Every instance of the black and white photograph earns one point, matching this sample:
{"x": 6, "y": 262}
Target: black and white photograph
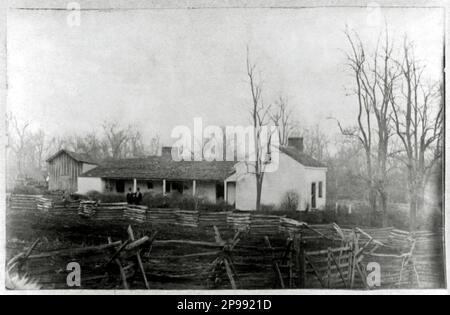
{"x": 203, "y": 146}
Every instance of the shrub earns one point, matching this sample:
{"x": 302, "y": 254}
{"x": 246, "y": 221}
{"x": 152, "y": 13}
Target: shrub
{"x": 106, "y": 197}
{"x": 215, "y": 207}
{"x": 156, "y": 201}
{"x": 184, "y": 202}
{"x": 268, "y": 208}
{"x": 26, "y": 190}
{"x": 76, "y": 196}
{"x": 188, "y": 202}
{"x": 290, "y": 201}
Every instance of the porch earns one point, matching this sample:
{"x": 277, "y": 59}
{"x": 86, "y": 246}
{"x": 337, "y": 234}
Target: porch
{"x": 213, "y": 191}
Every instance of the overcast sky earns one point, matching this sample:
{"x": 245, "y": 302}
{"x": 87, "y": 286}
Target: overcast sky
{"x": 156, "y": 69}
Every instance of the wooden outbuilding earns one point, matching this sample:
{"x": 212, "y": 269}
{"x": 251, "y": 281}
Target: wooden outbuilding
{"x": 65, "y": 166}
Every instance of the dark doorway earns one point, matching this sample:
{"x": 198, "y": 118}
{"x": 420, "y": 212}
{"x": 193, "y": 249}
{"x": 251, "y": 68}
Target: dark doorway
{"x": 176, "y": 186}
{"x": 220, "y": 194}
{"x": 120, "y": 186}
{"x": 313, "y": 196}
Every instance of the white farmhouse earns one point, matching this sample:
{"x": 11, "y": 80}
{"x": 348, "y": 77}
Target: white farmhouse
{"x": 215, "y": 181}
{"x": 297, "y": 172}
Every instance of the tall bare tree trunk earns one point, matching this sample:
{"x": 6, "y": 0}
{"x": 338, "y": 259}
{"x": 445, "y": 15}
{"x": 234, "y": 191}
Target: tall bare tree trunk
{"x": 412, "y": 209}
{"x": 419, "y": 122}
{"x": 258, "y": 193}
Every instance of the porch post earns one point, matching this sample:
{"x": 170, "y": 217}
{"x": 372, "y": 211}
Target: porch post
{"x": 194, "y": 187}
{"x": 134, "y": 185}
{"x": 225, "y": 195}
{"x": 164, "y": 187}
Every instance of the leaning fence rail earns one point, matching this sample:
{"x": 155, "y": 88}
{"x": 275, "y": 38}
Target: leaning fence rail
{"x": 324, "y": 255}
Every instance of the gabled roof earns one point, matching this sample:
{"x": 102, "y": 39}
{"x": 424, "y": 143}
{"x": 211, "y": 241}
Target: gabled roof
{"x": 80, "y": 157}
{"x": 159, "y": 167}
{"x": 301, "y": 157}
{"x": 163, "y": 167}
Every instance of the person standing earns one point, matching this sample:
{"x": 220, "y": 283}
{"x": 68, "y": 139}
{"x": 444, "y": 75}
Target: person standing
{"x": 138, "y": 197}
{"x": 129, "y": 197}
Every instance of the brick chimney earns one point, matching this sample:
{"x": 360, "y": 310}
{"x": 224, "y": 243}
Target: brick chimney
{"x": 296, "y": 142}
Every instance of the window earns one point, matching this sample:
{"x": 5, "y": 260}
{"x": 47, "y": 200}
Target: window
{"x": 320, "y": 189}
{"x": 149, "y": 185}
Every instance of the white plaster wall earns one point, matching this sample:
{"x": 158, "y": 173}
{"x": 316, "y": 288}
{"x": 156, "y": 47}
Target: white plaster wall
{"x": 231, "y": 193}
{"x": 143, "y": 186}
{"x": 86, "y": 184}
{"x": 315, "y": 175}
{"x": 290, "y": 175}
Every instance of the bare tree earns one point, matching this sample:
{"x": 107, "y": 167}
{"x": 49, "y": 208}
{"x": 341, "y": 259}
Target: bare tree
{"x": 18, "y": 138}
{"x": 418, "y": 115}
{"x": 135, "y": 144}
{"x": 260, "y": 117}
{"x": 282, "y": 119}
{"x": 116, "y": 138}
{"x": 95, "y": 147}
{"x": 89, "y": 144}
{"x": 38, "y": 141}
{"x": 154, "y": 146}
{"x": 346, "y": 170}
{"x": 375, "y": 76}
{"x": 316, "y": 143}
{"x": 363, "y": 131}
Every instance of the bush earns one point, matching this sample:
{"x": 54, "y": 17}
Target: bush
{"x": 156, "y": 201}
{"x": 188, "y": 202}
{"x": 268, "y": 208}
{"x": 76, "y": 196}
{"x": 215, "y": 207}
{"x": 290, "y": 201}
{"x": 106, "y": 197}
{"x": 178, "y": 201}
{"x": 26, "y": 190}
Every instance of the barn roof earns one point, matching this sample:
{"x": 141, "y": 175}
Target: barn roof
{"x": 301, "y": 157}
{"x": 159, "y": 167}
{"x": 80, "y": 157}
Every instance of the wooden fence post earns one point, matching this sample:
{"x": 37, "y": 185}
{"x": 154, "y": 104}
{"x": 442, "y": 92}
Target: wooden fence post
{"x": 275, "y": 265}
{"x": 302, "y": 264}
{"x": 329, "y": 268}
{"x": 138, "y": 258}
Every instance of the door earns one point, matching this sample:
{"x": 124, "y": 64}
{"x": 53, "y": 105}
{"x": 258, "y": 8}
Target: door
{"x": 220, "y": 191}
{"x": 313, "y": 196}
{"x": 177, "y": 186}
{"x": 120, "y": 186}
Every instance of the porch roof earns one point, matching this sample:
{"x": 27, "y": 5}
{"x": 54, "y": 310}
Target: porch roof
{"x": 158, "y": 167}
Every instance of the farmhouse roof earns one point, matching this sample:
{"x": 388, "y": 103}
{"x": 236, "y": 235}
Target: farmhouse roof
{"x": 159, "y": 167}
{"x": 163, "y": 167}
{"x": 302, "y": 157}
{"x": 80, "y": 157}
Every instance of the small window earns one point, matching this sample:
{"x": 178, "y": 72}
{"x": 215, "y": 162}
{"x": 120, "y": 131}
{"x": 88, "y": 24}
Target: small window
{"x": 320, "y": 189}
{"x": 149, "y": 185}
